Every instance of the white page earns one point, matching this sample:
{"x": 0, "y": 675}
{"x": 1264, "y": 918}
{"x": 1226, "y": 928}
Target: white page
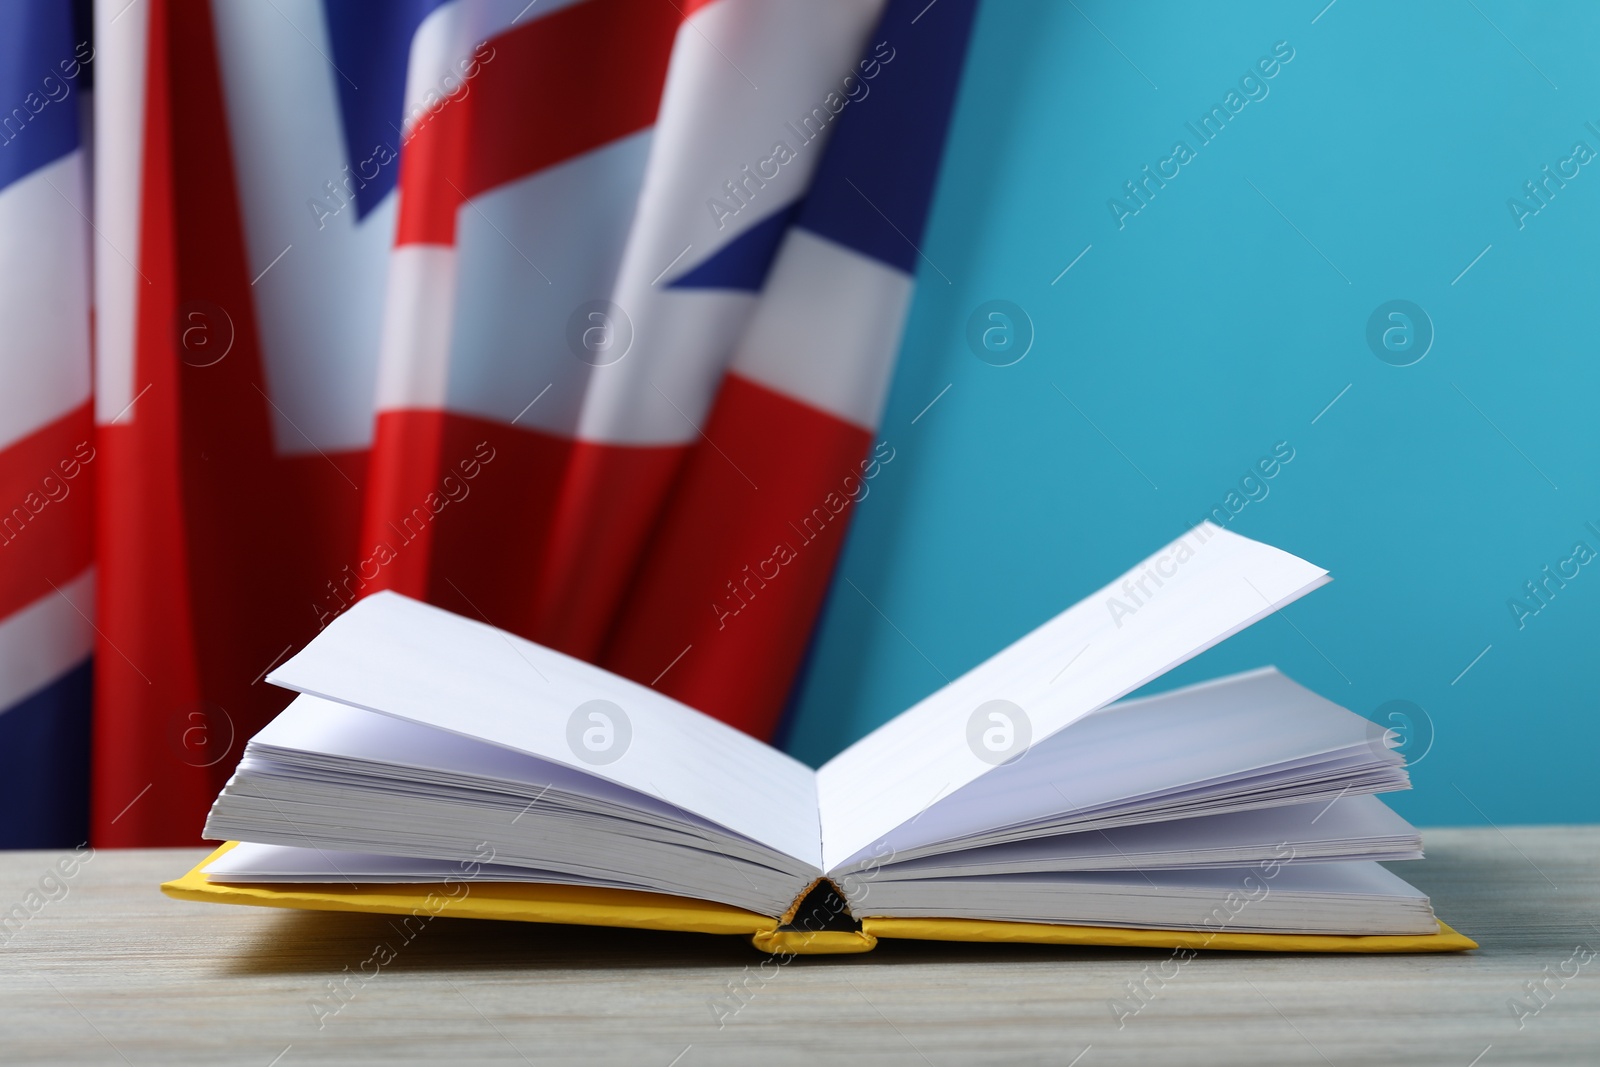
{"x": 404, "y": 658}
{"x": 1212, "y": 733}
{"x": 1318, "y": 898}
{"x": 1212, "y": 585}
{"x": 250, "y": 862}
{"x": 1348, "y": 826}
{"x": 321, "y": 727}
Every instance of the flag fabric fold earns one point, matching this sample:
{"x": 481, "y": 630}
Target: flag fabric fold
{"x": 739, "y": 566}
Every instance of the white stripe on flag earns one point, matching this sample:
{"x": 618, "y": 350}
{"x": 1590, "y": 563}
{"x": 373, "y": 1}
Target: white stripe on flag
{"x": 44, "y": 297}
{"x": 121, "y": 32}
{"x": 827, "y": 329}
{"x": 716, "y": 129}
{"x": 47, "y": 638}
{"x": 414, "y": 361}
{"x": 319, "y": 313}
{"x": 440, "y": 41}
{"x": 528, "y": 255}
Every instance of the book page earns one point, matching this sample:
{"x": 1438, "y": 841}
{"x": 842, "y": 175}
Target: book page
{"x": 332, "y": 730}
{"x": 1243, "y": 739}
{"x": 250, "y": 862}
{"x": 1346, "y": 828}
{"x": 1306, "y": 898}
{"x": 407, "y": 659}
{"x": 1195, "y": 592}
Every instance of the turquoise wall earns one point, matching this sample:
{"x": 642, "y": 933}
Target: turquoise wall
{"x": 1222, "y": 319}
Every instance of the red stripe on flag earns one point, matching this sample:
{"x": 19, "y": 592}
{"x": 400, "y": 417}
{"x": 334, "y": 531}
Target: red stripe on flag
{"x": 211, "y": 546}
{"x": 145, "y": 653}
{"x": 404, "y": 469}
{"x": 609, "y": 502}
{"x": 464, "y": 516}
{"x": 553, "y": 89}
{"x": 46, "y": 509}
{"x": 735, "y": 574}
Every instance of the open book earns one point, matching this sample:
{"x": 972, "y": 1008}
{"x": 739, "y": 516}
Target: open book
{"x": 433, "y": 757}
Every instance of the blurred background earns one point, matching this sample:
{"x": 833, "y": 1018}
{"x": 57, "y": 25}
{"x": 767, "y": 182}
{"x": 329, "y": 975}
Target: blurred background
{"x": 520, "y": 308}
{"x": 1225, "y": 317}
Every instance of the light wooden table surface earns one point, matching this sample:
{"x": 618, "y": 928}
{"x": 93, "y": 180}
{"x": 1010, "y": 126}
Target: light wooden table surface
{"x": 113, "y": 972}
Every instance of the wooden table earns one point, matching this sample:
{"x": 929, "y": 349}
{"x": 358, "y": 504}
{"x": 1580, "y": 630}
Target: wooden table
{"x": 113, "y": 972}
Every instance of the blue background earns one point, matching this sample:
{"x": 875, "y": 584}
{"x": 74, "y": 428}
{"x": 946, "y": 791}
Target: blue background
{"x": 1215, "y": 325}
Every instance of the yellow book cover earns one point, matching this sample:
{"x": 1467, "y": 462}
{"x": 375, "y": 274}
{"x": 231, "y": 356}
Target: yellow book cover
{"x": 433, "y": 762}
{"x": 630, "y": 909}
